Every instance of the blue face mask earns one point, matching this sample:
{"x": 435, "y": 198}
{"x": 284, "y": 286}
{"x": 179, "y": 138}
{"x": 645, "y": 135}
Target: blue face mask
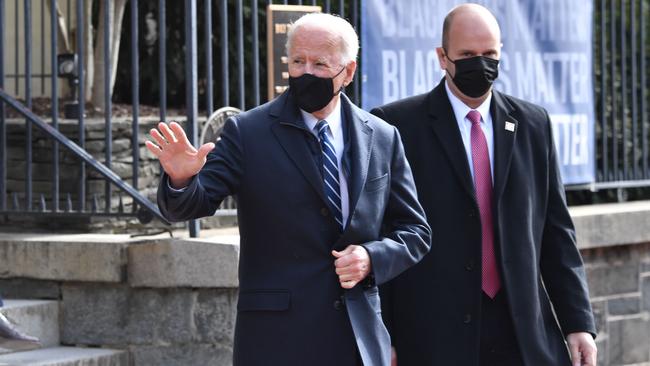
{"x": 313, "y": 93}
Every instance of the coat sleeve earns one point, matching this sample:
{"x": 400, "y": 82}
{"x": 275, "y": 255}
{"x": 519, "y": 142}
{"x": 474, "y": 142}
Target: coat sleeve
{"x": 407, "y": 236}
{"x": 561, "y": 265}
{"x": 219, "y": 178}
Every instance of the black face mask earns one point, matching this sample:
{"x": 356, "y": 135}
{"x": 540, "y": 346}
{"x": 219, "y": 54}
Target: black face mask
{"x": 475, "y": 75}
{"x": 311, "y": 92}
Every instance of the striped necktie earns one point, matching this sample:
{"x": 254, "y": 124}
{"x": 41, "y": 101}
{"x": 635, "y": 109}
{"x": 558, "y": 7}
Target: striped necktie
{"x": 330, "y": 172}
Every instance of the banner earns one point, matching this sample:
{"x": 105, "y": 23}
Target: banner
{"x": 546, "y": 59}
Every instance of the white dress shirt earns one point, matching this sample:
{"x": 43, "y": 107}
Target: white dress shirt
{"x": 465, "y": 127}
{"x": 335, "y": 133}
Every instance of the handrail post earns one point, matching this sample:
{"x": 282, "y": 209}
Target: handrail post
{"x": 191, "y": 86}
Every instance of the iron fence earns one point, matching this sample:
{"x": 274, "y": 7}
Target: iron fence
{"x": 23, "y": 202}
{"x": 222, "y": 68}
{"x": 621, "y": 69}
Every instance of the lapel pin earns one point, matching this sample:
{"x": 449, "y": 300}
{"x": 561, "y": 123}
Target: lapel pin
{"x": 510, "y": 126}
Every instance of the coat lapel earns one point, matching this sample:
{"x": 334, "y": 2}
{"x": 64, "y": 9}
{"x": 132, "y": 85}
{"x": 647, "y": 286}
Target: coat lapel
{"x": 443, "y": 122}
{"x": 505, "y": 130}
{"x": 360, "y": 144}
{"x": 290, "y": 132}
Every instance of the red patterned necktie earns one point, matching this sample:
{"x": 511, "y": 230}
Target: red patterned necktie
{"x": 483, "y": 188}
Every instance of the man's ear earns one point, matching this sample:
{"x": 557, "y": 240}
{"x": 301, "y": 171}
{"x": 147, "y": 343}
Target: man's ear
{"x": 441, "y": 58}
{"x": 350, "y": 68}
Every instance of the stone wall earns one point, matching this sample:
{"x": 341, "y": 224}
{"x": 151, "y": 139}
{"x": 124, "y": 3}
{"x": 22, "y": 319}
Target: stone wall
{"x": 42, "y": 161}
{"x": 172, "y": 301}
{"x": 619, "y": 283}
{"x": 167, "y": 302}
{"x": 615, "y": 245}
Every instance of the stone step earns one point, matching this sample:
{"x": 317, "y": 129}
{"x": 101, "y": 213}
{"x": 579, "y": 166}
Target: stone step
{"x": 66, "y": 356}
{"x": 38, "y": 318}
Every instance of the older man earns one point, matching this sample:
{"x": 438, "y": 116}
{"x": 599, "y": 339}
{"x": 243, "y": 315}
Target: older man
{"x": 504, "y": 262}
{"x": 327, "y": 208}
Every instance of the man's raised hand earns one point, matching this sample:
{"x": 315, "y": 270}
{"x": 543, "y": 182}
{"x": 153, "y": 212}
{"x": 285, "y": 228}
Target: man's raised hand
{"x": 180, "y": 160}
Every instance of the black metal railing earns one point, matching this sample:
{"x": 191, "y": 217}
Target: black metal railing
{"x": 621, "y": 69}
{"x": 75, "y": 201}
{"x": 146, "y": 212}
{"x": 222, "y": 67}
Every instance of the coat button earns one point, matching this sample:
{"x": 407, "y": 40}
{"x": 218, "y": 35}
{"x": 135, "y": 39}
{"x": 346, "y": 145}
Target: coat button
{"x": 338, "y": 304}
{"x": 467, "y": 319}
{"x": 469, "y": 266}
{"x": 472, "y": 213}
{"x": 324, "y": 211}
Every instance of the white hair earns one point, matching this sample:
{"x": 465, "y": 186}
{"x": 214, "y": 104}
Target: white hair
{"x": 349, "y": 42}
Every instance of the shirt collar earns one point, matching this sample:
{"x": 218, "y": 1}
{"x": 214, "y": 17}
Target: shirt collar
{"x": 461, "y": 109}
{"x": 333, "y": 119}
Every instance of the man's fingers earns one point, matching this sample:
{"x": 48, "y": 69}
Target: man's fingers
{"x": 160, "y": 140}
{"x": 345, "y": 278}
{"x": 575, "y": 354}
{"x": 167, "y": 132}
{"x": 349, "y": 277}
{"x": 589, "y": 356}
{"x": 205, "y": 149}
{"x": 179, "y": 133}
{"x": 344, "y": 252}
{"x": 343, "y": 262}
{"x": 345, "y": 256}
{"x": 356, "y": 269}
{"x": 155, "y": 149}
{"x": 583, "y": 349}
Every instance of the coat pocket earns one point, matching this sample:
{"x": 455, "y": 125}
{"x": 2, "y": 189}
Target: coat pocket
{"x": 376, "y": 183}
{"x": 264, "y": 300}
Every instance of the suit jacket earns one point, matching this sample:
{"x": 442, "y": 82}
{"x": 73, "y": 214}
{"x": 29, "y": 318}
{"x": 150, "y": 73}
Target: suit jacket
{"x": 291, "y": 308}
{"x": 433, "y": 309}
